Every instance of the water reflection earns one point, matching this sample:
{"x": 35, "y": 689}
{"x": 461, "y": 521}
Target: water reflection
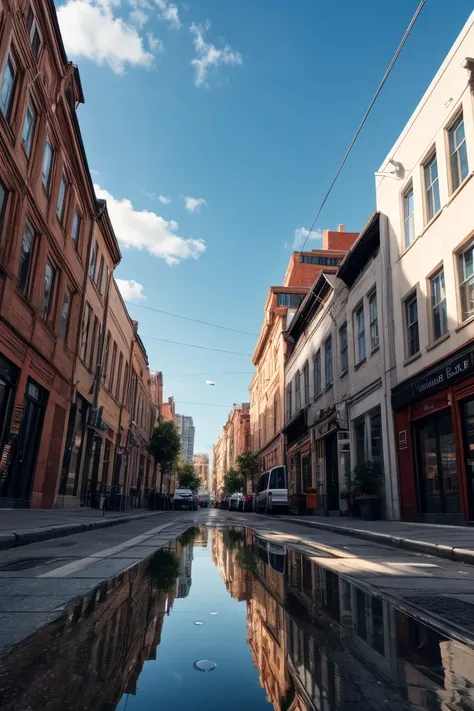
{"x": 321, "y": 643}
{"x": 94, "y": 655}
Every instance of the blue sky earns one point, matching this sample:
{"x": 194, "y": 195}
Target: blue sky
{"x": 249, "y": 107}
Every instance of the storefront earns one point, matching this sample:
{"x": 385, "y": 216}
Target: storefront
{"x": 298, "y": 461}
{"x": 434, "y": 429}
{"x": 331, "y": 448}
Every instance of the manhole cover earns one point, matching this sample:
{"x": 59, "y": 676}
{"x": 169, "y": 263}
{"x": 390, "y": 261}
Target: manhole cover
{"x": 24, "y": 563}
{"x": 204, "y": 665}
{"x": 457, "y": 611}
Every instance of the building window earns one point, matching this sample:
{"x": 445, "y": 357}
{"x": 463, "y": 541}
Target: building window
{"x": 33, "y": 32}
{"x": 85, "y": 331}
{"x": 360, "y": 333}
{"x": 466, "y": 282}
{"x": 373, "y": 321}
{"x": 48, "y": 290}
{"x": 343, "y": 348}
{"x": 318, "y": 386}
{"x": 306, "y": 383}
{"x": 94, "y": 344}
{"x": 3, "y": 203}
{"x": 47, "y": 165}
{"x": 438, "y": 305}
{"x": 411, "y": 319}
{"x": 275, "y": 413}
{"x": 125, "y": 383}
{"x": 93, "y": 259}
{"x": 409, "y": 216}
{"x": 119, "y": 377}
{"x": 64, "y": 323}
{"x": 297, "y": 392}
{"x": 458, "y": 153}
{"x": 61, "y": 204}
{"x": 28, "y": 128}
{"x": 328, "y": 361}
{"x": 112, "y": 368}
{"x": 106, "y": 357}
{"x": 288, "y": 401}
{"x": 323, "y": 261}
{"x": 432, "y": 188}
{"x": 76, "y": 228}
{"x": 290, "y": 300}
{"x": 27, "y": 245}
{"x": 359, "y": 432}
{"x": 7, "y": 87}
{"x": 375, "y": 422}
{"x": 100, "y": 273}
{"x": 105, "y": 279}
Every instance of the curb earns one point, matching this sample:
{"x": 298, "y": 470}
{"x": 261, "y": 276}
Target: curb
{"x": 461, "y": 555}
{"x": 36, "y": 535}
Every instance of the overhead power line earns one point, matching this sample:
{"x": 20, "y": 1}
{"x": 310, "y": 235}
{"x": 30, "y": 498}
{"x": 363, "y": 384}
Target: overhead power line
{"x": 183, "y": 375}
{"x": 193, "y": 345}
{"x": 366, "y": 115}
{"x": 188, "y": 318}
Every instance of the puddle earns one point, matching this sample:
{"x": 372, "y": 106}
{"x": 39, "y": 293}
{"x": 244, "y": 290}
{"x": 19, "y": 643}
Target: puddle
{"x": 280, "y": 631}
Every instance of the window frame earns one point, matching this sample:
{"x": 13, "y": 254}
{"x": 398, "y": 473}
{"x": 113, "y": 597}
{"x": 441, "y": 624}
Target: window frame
{"x": 317, "y": 373}
{"x": 61, "y": 204}
{"x": 32, "y": 27}
{"x": 408, "y": 217}
{"x": 25, "y": 287}
{"x": 306, "y": 396}
{"x": 64, "y": 331}
{"x": 454, "y": 152}
{"x": 289, "y": 396}
{"x": 373, "y": 322}
{"x": 76, "y": 238}
{"x": 9, "y": 60}
{"x": 343, "y": 349}
{"x": 328, "y": 364}
{"x": 437, "y": 275}
{"x": 28, "y": 143}
{"x": 47, "y": 183}
{"x": 47, "y": 309}
{"x": 463, "y": 281}
{"x": 432, "y": 186}
{"x": 297, "y": 391}
{"x": 93, "y": 259}
{"x": 85, "y": 327}
{"x": 409, "y": 299}
{"x": 360, "y": 353}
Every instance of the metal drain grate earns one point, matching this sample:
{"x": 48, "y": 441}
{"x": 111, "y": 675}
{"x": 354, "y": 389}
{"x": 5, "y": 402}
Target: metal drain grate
{"x": 24, "y": 564}
{"x": 457, "y": 611}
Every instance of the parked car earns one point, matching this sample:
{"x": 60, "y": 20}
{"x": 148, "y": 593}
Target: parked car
{"x": 234, "y": 502}
{"x": 272, "y": 491}
{"x": 224, "y": 503}
{"x": 204, "y": 500}
{"x": 246, "y": 503}
{"x": 184, "y": 499}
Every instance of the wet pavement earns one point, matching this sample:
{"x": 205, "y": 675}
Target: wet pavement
{"x": 230, "y": 618}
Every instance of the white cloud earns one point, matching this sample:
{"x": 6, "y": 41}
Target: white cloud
{"x": 94, "y": 173}
{"x": 194, "y": 204}
{"x": 90, "y": 29}
{"x": 154, "y": 43}
{"x": 169, "y": 12}
{"x": 142, "y": 229}
{"x": 164, "y": 199}
{"x": 209, "y": 56}
{"x": 138, "y": 17}
{"x": 131, "y": 290}
{"x": 303, "y": 235}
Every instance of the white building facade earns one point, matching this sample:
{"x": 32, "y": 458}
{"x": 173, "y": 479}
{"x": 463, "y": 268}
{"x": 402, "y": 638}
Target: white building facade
{"x": 425, "y": 194}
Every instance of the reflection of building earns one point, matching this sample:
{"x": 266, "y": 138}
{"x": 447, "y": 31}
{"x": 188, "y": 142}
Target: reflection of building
{"x": 95, "y": 655}
{"x": 183, "y": 583}
{"x": 186, "y": 432}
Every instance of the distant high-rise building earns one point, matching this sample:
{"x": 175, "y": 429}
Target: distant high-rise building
{"x": 186, "y": 432}
{"x": 201, "y": 467}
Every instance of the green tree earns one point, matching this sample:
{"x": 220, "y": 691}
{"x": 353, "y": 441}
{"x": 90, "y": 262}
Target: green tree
{"x": 233, "y": 481}
{"x": 164, "y": 447}
{"x": 247, "y": 464}
{"x": 188, "y": 479}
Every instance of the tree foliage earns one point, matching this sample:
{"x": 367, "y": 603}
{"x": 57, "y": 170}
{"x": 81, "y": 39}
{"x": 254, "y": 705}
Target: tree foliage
{"x": 233, "y": 481}
{"x": 165, "y": 446}
{"x": 247, "y": 464}
{"x": 188, "y": 479}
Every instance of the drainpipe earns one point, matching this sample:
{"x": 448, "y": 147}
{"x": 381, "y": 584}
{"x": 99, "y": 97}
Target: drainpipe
{"x": 77, "y": 345}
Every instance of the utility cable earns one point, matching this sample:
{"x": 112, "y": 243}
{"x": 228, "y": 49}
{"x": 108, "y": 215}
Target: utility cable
{"x": 193, "y": 345}
{"x": 205, "y": 404}
{"x": 188, "y": 318}
{"x": 185, "y": 375}
{"x": 366, "y": 115}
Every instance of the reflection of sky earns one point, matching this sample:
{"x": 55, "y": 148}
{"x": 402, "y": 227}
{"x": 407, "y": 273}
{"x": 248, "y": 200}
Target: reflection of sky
{"x": 170, "y": 682}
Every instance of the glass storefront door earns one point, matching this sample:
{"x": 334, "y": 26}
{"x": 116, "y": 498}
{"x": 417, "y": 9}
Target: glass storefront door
{"x": 438, "y": 487}
{"x": 467, "y": 416}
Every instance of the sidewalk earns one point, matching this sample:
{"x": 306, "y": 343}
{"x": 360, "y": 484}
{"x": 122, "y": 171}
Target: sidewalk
{"x": 19, "y": 527}
{"x": 451, "y": 542}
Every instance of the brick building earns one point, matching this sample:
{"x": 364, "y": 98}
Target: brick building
{"x": 68, "y": 349}
{"x": 233, "y": 441}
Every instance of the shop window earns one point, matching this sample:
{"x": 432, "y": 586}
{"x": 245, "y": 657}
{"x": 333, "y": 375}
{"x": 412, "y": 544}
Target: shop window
{"x": 411, "y": 325}
{"x": 439, "y": 314}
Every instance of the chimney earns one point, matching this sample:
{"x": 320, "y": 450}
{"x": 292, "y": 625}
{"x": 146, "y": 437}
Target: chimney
{"x": 341, "y": 228}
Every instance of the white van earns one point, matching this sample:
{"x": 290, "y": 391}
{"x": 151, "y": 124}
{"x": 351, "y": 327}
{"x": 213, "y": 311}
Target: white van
{"x": 272, "y": 491}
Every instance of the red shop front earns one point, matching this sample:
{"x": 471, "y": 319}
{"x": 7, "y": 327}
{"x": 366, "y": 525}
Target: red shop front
{"x": 434, "y": 431}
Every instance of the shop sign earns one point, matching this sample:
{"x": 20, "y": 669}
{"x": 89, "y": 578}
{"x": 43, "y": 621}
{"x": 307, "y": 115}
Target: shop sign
{"x": 434, "y": 380}
{"x": 16, "y": 420}
{"x": 402, "y": 439}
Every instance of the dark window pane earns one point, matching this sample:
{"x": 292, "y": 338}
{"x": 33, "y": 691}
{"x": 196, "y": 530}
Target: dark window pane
{"x": 25, "y": 257}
